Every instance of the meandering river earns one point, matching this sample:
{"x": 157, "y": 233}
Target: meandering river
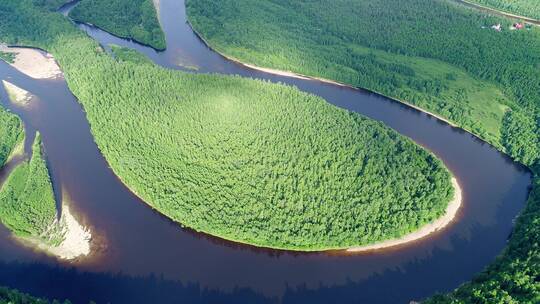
{"x": 142, "y": 257}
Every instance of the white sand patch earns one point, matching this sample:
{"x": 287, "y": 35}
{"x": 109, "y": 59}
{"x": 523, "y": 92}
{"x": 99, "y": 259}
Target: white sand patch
{"x": 34, "y": 63}
{"x": 438, "y": 224}
{"x": 17, "y": 95}
{"x": 77, "y": 238}
{"x": 156, "y": 5}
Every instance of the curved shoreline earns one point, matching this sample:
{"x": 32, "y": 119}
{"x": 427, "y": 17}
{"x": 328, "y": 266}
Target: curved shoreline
{"x": 424, "y": 231}
{"x": 438, "y": 224}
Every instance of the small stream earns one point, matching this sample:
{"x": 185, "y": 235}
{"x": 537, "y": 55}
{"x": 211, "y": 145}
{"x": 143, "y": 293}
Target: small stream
{"x": 142, "y": 257}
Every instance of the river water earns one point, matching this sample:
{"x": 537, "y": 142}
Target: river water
{"x": 141, "y": 257}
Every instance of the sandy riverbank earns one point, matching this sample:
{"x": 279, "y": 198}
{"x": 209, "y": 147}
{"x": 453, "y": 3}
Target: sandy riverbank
{"x": 75, "y": 238}
{"x": 34, "y": 63}
{"x": 438, "y": 224}
{"x": 17, "y": 95}
{"x": 156, "y": 5}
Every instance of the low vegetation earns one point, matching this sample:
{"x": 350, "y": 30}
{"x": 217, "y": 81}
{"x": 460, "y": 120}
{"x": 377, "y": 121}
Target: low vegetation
{"x": 245, "y": 160}
{"x": 134, "y": 19}
{"x": 27, "y": 204}
{"x": 445, "y": 59}
{"x": 526, "y": 8}
{"x": 8, "y": 57}
{"x": 11, "y": 133}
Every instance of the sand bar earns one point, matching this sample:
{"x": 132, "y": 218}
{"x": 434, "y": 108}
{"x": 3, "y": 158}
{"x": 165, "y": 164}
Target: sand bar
{"x": 76, "y": 238}
{"x": 17, "y": 95}
{"x": 34, "y": 63}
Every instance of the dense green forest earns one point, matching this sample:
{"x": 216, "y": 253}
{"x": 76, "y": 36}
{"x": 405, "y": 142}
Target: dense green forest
{"x": 446, "y": 60}
{"x": 527, "y": 8}
{"x": 27, "y": 203}
{"x": 245, "y": 160}
{"x": 379, "y": 45}
{"x": 122, "y": 54}
{"x": 50, "y": 4}
{"x": 11, "y": 133}
{"x": 134, "y": 19}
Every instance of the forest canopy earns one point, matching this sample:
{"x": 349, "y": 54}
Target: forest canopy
{"x": 436, "y": 54}
{"x": 134, "y": 19}
{"x": 446, "y": 59}
{"x": 27, "y": 203}
{"x": 11, "y": 134}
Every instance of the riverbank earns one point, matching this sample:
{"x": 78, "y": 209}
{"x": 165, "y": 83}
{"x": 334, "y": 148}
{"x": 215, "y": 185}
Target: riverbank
{"x": 439, "y": 224}
{"x": 33, "y": 63}
{"x": 77, "y": 238}
{"x": 156, "y": 5}
{"x": 75, "y": 242}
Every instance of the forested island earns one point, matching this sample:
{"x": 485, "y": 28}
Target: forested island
{"x": 27, "y": 205}
{"x": 304, "y": 174}
{"x": 27, "y": 201}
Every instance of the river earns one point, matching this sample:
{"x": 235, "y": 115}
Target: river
{"x": 142, "y": 257}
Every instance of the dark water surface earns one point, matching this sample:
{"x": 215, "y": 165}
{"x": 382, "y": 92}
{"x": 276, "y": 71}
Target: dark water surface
{"x": 141, "y": 257}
